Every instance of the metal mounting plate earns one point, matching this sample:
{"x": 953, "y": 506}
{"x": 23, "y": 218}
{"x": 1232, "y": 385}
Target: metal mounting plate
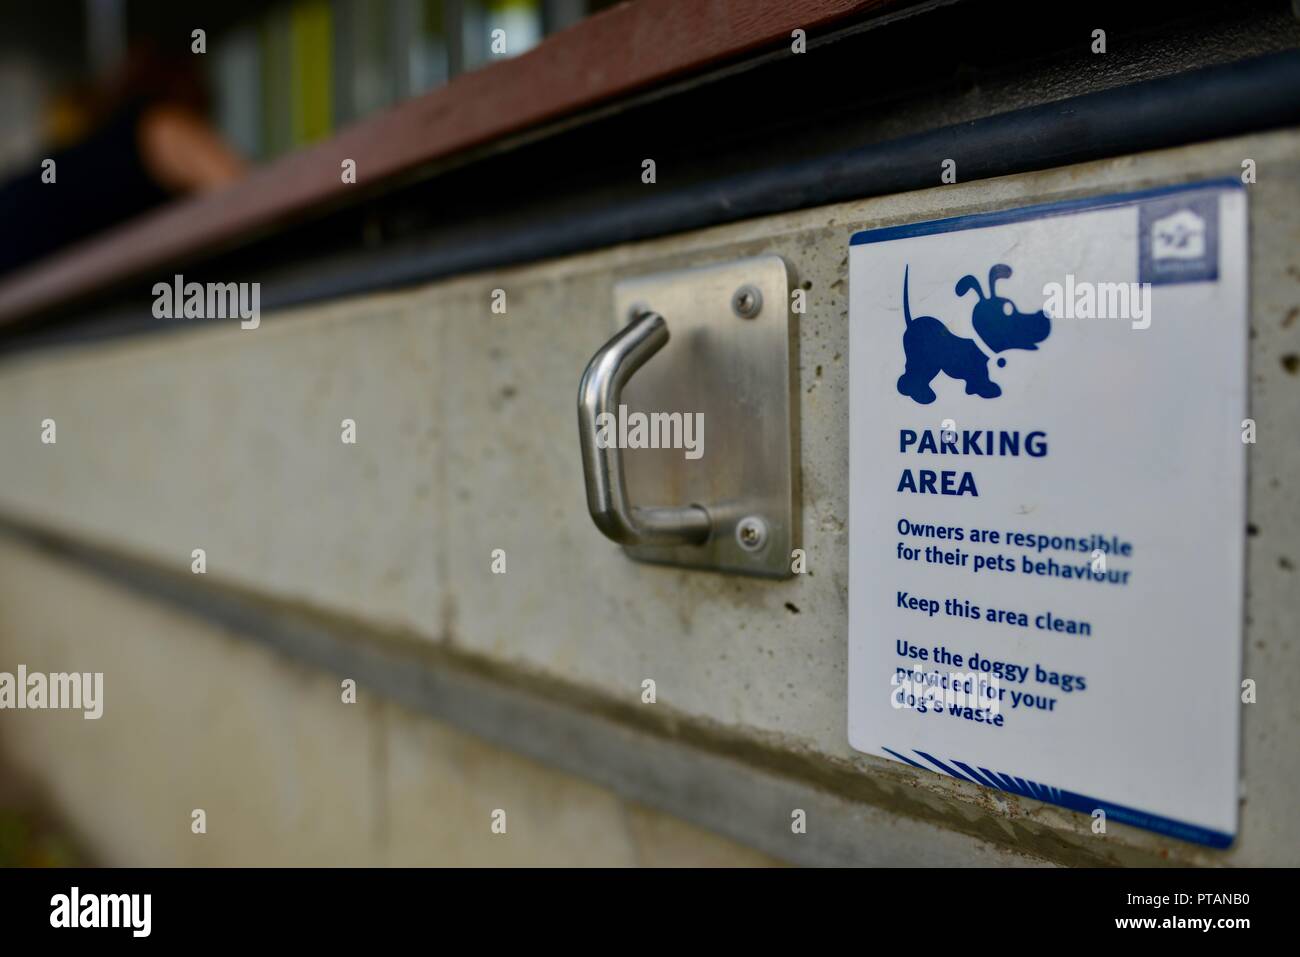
{"x": 740, "y": 374}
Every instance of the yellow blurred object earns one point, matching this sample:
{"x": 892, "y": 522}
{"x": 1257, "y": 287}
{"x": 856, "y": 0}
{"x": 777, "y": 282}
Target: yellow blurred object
{"x": 310, "y": 29}
{"x": 67, "y": 119}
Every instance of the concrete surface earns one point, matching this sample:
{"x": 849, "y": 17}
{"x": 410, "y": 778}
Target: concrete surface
{"x": 288, "y": 774}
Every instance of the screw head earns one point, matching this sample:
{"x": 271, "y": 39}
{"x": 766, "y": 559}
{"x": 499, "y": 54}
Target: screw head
{"x": 751, "y": 533}
{"x": 747, "y": 301}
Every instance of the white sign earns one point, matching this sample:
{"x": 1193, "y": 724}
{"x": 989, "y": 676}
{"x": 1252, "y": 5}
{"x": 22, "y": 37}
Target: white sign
{"x": 1047, "y": 470}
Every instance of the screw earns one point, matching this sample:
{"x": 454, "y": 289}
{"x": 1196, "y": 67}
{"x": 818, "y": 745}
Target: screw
{"x": 751, "y": 533}
{"x": 747, "y": 301}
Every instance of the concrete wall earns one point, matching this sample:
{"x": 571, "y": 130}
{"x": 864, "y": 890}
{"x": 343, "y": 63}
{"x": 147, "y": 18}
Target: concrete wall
{"x": 228, "y": 440}
{"x": 197, "y": 716}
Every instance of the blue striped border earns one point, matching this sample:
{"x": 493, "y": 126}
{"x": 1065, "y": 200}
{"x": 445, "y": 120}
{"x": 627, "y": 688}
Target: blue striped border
{"x": 1068, "y": 799}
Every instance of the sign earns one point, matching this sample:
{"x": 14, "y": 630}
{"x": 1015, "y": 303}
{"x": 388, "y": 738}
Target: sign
{"x": 1047, "y": 505}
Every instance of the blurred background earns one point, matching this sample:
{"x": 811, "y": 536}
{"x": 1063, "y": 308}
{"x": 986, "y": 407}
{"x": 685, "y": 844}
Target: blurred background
{"x": 277, "y": 74}
{"x": 129, "y": 87}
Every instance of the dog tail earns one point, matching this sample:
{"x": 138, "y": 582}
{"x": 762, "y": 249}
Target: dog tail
{"x": 907, "y": 309}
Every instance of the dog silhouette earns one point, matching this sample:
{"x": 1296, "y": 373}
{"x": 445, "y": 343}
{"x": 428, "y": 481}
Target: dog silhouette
{"x": 931, "y": 348}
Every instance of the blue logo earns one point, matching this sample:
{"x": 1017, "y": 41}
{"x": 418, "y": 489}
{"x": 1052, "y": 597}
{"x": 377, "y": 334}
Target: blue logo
{"x": 931, "y": 348}
{"x": 1178, "y": 240}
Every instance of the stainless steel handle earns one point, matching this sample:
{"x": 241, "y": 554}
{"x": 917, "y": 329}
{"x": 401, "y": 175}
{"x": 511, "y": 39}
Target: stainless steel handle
{"x": 602, "y": 385}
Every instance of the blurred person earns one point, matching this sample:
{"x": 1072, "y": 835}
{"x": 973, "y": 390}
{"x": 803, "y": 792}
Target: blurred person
{"x": 135, "y": 142}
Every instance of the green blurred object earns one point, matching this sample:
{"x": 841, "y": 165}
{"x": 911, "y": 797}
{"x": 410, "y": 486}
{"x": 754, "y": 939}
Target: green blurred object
{"x": 26, "y": 841}
{"x": 310, "y": 45}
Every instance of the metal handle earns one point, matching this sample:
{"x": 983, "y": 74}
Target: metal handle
{"x": 599, "y": 394}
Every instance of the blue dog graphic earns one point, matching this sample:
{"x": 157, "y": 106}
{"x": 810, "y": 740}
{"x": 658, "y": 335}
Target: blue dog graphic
{"x": 931, "y": 348}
